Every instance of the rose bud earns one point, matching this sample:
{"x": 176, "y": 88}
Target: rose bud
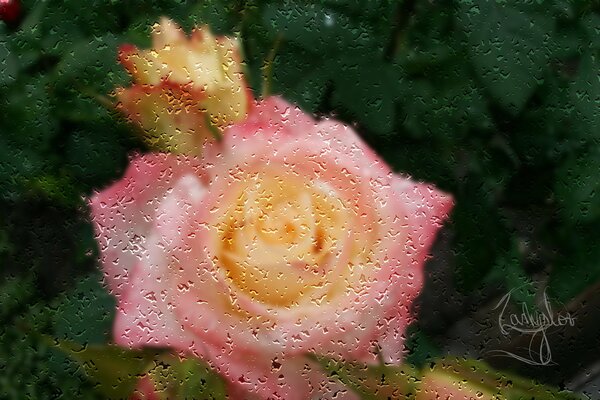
{"x": 10, "y": 11}
{"x": 169, "y": 115}
{"x": 205, "y": 70}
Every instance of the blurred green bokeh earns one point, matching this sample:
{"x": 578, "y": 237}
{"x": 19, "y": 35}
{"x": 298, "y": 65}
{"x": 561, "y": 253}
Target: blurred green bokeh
{"x": 496, "y": 102}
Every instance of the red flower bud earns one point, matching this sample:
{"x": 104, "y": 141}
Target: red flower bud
{"x": 10, "y": 10}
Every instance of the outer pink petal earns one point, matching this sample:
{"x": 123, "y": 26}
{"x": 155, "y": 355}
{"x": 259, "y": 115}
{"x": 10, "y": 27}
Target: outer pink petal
{"x": 270, "y": 117}
{"x": 349, "y": 146}
{"x": 145, "y": 315}
{"x": 268, "y": 120}
{"x": 427, "y": 208}
{"x": 123, "y": 213}
{"x": 275, "y": 129}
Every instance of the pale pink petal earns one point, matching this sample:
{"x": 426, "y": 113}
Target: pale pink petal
{"x": 270, "y": 117}
{"x": 144, "y": 315}
{"x": 123, "y": 214}
{"x": 146, "y": 312}
{"x": 426, "y": 208}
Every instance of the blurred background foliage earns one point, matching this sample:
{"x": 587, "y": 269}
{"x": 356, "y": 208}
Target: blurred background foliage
{"x": 496, "y": 102}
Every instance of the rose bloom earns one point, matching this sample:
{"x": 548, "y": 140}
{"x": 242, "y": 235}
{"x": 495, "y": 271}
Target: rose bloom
{"x": 290, "y": 236}
{"x": 183, "y": 87}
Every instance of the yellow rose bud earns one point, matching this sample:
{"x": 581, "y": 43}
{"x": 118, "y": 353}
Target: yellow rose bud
{"x": 200, "y": 78}
{"x": 169, "y": 116}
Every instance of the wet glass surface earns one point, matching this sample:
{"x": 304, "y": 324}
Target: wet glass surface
{"x": 322, "y": 200}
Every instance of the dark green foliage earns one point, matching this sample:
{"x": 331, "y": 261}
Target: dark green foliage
{"x": 496, "y": 102}
{"x": 30, "y": 365}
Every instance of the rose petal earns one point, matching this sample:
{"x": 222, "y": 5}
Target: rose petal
{"x": 123, "y": 213}
{"x": 427, "y": 208}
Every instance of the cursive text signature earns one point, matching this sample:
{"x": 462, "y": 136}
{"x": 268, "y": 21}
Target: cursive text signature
{"x": 534, "y": 323}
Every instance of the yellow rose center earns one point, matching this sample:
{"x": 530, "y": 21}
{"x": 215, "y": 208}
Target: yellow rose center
{"x": 279, "y": 235}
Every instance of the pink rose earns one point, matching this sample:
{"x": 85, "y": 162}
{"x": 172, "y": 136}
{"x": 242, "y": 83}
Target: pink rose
{"x": 290, "y": 236}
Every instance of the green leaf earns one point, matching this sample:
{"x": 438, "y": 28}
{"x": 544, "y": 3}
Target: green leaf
{"x": 57, "y": 188}
{"x": 31, "y": 367}
{"x": 113, "y": 369}
{"x": 85, "y": 313}
{"x": 476, "y": 375}
{"x": 508, "y": 269}
{"x": 372, "y": 382}
{"x": 300, "y": 75}
{"x": 27, "y": 116}
{"x": 420, "y": 347}
{"x": 578, "y": 264}
{"x": 8, "y": 64}
{"x": 319, "y": 29}
{"x": 95, "y": 152}
{"x": 189, "y": 378}
{"x": 57, "y": 30}
{"x": 585, "y": 97}
{"x": 15, "y": 293}
{"x": 567, "y": 42}
{"x": 577, "y": 187}
{"x": 591, "y": 24}
{"x": 18, "y": 167}
{"x": 445, "y": 109}
{"x": 367, "y": 89}
{"x": 30, "y": 28}
{"x": 547, "y": 131}
{"x": 379, "y": 10}
{"x": 309, "y": 91}
{"x": 92, "y": 64}
{"x": 97, "y": 18}
{"x": 481, "y": 235}
{"x": 425, "y": 160}
{"x": 508, "y": 47}
{"x": 220, "y": 15}
{"x": 457, "y": 377}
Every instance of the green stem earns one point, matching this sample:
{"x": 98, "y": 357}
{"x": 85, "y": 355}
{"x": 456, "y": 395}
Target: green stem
{"x": 100, "y": 98}
{"x": 402, "y": 21}
{"x": 268, "y": 67}
{"x": 215, "y": 132}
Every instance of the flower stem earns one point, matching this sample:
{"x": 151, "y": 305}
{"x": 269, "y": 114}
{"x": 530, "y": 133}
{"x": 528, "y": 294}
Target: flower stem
{"x": 267, "y": 68}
